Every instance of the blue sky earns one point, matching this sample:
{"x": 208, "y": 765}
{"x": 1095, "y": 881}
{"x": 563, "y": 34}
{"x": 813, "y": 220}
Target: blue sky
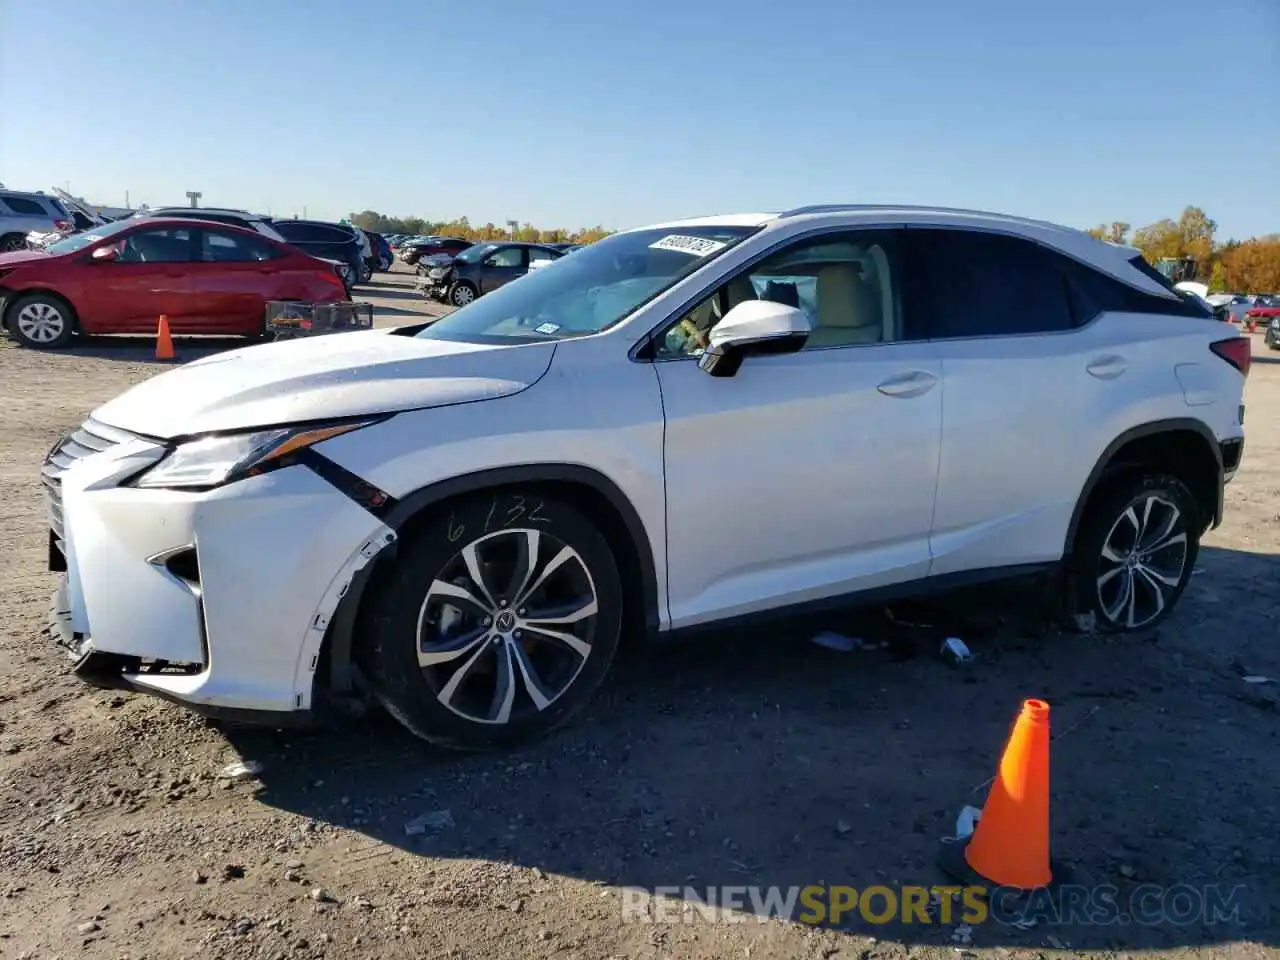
{"x": 622, "y": 112}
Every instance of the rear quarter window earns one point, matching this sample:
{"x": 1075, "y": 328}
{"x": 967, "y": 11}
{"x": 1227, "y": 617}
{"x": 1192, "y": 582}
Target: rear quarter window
{"x": 24, "y": 206}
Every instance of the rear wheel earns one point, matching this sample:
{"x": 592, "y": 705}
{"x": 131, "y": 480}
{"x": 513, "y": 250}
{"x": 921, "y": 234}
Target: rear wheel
{"x": 12, "y": 242}
{"x": 41, "y": 321}
{"x": 500, "y": 622}
{"x": 1135, "y": 552}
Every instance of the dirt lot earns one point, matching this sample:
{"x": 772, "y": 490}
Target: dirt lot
{"x": 743, "y": 760}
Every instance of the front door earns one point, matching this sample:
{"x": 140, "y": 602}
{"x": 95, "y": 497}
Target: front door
{"x": 149, "y": 279}
{"x": 808, "y": 475}
{"x": 502, "y": 266}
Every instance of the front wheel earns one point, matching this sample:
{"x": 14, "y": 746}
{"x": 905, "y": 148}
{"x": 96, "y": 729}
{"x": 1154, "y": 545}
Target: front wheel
{"x": 499, "y": 623}
{"x": 1135, "y": 553}
{"x": 461, "y": 293}
{"x": 41, "y": 321}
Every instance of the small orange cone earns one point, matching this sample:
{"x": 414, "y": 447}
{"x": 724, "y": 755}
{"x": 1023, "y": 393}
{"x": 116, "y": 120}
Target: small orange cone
{"x": 1010, "y": 844}
{"x": 164, "y": 342}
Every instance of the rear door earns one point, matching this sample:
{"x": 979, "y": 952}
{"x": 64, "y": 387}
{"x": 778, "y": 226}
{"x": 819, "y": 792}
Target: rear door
{"x": 1022, "y": 382}
{"x": 236, "y": 275}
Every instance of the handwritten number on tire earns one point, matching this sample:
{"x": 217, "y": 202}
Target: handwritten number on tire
{"x": 516, "y": 510}
{"x": 455, "y": 529}
{"x": 535, "y": 516}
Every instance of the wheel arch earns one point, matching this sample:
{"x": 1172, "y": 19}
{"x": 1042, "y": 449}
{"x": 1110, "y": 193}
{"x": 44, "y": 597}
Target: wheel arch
{"x": 14, "y": 297}
{"x": 1183, "y": 446}
{"x": 588, "y": 489}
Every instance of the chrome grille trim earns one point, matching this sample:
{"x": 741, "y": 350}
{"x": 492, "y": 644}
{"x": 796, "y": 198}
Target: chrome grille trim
{"x": 92, "y": 437}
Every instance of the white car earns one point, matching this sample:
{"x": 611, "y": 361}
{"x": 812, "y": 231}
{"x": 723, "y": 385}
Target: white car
{"x": 677, "y": 426}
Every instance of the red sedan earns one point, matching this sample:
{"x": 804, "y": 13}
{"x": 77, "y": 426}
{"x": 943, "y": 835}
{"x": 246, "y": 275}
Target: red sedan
{"x": 207, "y": 278}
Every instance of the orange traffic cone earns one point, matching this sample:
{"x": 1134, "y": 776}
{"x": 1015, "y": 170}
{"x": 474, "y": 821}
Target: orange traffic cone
{"x": 164, "y": 342}
{"x": 1009, "y": 846}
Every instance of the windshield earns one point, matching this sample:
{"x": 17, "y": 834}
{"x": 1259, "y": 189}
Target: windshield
{"x": 79, "y": 241}
{"x": 472, "y": 254}
{"x": 590, "y": 291}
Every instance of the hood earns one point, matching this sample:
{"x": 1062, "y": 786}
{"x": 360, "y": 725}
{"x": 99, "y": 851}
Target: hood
{"x": 437, "y": 260}
{"x": 19, "y": 257}
{"x": 321, "y": 378}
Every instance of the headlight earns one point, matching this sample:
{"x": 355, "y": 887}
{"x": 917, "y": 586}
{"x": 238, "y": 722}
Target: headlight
{"x": 214, "y": 461}
{"x": 435, "y": 273}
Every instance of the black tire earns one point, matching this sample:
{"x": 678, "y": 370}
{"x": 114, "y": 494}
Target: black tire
{"x": 12, "y": 243}
{"x": 464, "y": 291}
{"x": 50, "y": 306}
{"x": 410, "y": 621}
{"x": 1096, "y": 581}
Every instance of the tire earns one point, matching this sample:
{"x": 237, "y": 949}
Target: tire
{"x": 440, "y": 669}
{"x": 461, "y": 293}
{"x": 41, "y": 321}
{"x": 1160, "y": 512}
{"x": 12, "y": 243}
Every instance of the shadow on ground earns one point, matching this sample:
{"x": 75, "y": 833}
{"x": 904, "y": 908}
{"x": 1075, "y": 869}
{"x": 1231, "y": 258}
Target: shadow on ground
{"x": 766, "y": 760}
{"x": 143, "y": 349}
{"x": 390, "y": 292}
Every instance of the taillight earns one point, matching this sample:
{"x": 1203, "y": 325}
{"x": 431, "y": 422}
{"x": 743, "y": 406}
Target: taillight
{"x": 61, "y": 225}
{"x": 1237, "y": 351}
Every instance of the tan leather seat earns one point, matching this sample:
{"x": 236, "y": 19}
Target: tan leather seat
{"x": 847, "y": 309}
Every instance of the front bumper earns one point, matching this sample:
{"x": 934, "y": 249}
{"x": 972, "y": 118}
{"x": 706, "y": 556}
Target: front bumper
{"x": 219, "y": 600}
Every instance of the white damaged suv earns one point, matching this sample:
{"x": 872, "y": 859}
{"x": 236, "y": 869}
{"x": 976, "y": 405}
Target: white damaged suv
{"x": 674, "y": 427}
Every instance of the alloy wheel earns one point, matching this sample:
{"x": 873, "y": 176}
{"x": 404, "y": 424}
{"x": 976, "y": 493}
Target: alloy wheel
{"x": 1144, "y": 557}
{"x": 507, "y": 626}
{"x": 12, "y": 244}
{"x": 41, "y": 322}
{"x": 462, "y": 295}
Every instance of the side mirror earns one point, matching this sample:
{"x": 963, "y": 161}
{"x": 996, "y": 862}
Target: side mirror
{"x": 107, "y": 254}
{"x": 753, "y": 328}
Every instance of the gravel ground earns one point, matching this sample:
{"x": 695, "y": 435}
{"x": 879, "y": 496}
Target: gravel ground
{"x": 740, "y": 760}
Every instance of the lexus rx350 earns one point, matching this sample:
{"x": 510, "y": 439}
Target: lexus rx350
{"x": 677, "y": 426}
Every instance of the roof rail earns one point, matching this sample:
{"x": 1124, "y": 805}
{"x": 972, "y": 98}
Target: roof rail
{"x": 855, "y": 207}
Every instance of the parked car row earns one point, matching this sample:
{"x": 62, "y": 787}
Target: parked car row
{"x": 210, "y": 274}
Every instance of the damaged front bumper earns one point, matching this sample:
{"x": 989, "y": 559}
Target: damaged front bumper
{"x": 219, "y": 600}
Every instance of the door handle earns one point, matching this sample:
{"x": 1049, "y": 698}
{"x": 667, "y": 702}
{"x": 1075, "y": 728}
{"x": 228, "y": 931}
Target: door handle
{"x": 908, "y": 385}
{"x": 1108, "y": 367}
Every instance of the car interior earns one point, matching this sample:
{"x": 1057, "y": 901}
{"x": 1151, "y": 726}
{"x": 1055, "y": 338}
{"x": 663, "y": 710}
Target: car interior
{"x": 839, "y": 286}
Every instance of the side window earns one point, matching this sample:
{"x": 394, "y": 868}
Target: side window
{"x": 307, "y": 232}
{"x": 506, "y": 257}
{"x": 82, "y": 222}
{"x": 29, "y": 208}
{"x": 970, "y": 284}
{"x": 232, "y": 248}
{"x": 537, "y": 254}
{"x": 849, "y": 284}
{"x": 171, "y": 245}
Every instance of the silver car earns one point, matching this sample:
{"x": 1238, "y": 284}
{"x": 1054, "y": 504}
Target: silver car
{"x": 23, "y": 213}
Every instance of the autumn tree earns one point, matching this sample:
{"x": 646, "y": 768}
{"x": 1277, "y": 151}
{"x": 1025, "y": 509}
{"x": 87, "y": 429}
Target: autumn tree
{"x": 1253, "y": 266}
{"x": 462, "y": 227}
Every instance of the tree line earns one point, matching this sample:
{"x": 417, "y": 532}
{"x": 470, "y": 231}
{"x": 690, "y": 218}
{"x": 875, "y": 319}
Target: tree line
{"x": 1235, "y": 266}
{"x": 462, "y": 227}
{"x": 1238, "y": 266}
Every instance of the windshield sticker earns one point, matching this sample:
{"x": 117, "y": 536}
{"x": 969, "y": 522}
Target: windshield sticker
{"x": 695, "y": 246}
{"x": 547, "y": 328}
